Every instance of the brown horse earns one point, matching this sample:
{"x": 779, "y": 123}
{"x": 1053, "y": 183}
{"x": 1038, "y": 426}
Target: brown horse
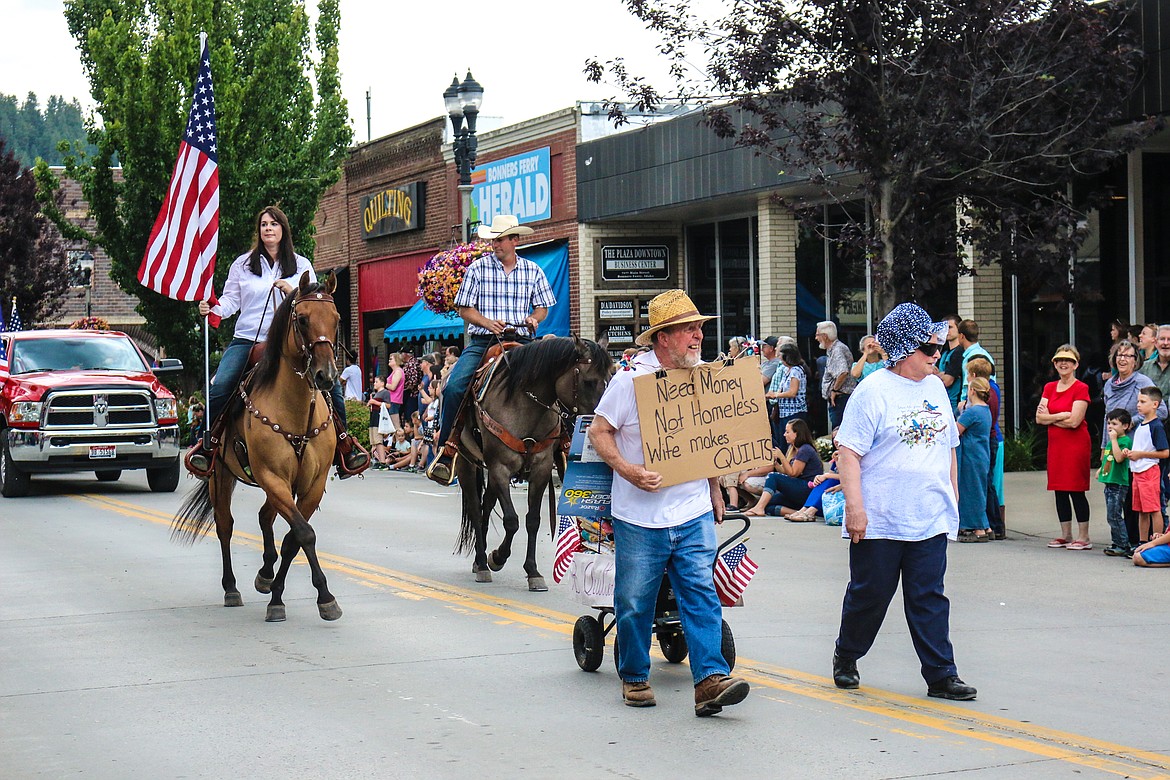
{"x": 280, "y": 438}
{"x": 536, "y": 392}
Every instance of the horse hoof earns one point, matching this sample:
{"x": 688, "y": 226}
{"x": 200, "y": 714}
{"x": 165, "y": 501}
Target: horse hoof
{"x": 491, "y": 562}
{"x": 329, "y": 611}
{"x": 263, "y": 584}
{"x": 275, "y": 614}
{"x": 537, "y": 584}
{"x": 233, "y": 599}
{"x": 483, "y": 575}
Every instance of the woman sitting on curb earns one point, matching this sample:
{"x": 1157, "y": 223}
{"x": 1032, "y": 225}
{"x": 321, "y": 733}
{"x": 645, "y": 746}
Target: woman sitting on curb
{"x": 789, "y": 485}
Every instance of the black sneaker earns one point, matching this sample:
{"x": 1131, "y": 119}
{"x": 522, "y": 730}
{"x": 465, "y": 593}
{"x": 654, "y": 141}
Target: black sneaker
{"x": 1116, "y": 552}
{"x": 845, "y": 673}
{"x": 951, "y": 688}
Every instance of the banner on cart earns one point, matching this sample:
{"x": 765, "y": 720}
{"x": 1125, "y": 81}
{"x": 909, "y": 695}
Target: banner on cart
{"x": 704, "y": 421}
{"x": 588, "y": 479}
{"x": 591, "y": 578}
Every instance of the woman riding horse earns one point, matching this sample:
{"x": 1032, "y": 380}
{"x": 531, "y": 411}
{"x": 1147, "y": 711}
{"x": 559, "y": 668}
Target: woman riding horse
{"x": 282, "y": 440}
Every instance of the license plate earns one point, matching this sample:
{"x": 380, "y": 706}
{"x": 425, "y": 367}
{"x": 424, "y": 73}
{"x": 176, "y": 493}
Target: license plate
{"x": 103, "y": 451}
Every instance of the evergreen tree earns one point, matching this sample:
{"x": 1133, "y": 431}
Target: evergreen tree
{"x": 31, "y": 134}
{"x": 282, "y": 123}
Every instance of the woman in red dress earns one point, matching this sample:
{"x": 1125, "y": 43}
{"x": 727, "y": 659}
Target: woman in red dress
{"x": 1063, "y": 409}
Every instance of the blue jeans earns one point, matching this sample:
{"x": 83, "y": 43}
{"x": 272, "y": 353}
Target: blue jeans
{"x": 786, "y": 491}
{"x": 1116, "y": 499}
{"x": 875, "y": 566}
{"x": 227, "y": 378}
{"x": 459, "y": 379}
{"x": 687, "y": 554}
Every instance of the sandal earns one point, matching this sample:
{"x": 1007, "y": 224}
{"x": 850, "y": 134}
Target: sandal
{"x": 975, "y": 538}
{"x": 1079, "y": 545}
{"x": 800, "y": 516}
{"x": 1058, "y": 542}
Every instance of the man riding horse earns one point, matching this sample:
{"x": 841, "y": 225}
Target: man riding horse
{"x": 499, "y": 290}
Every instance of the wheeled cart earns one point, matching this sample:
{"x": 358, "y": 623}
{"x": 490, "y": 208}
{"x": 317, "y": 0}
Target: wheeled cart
{"x": 589, "y": 632}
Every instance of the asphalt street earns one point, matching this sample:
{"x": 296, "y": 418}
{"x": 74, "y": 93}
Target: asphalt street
{"x": 119, "y": 660}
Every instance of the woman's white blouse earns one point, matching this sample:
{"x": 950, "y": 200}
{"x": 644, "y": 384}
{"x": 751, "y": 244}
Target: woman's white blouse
{"x": 248, "y": 294}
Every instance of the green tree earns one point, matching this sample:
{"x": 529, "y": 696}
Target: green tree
{"x": 922, "y": 110}
{"x": 31, "y": 134}
{"x": 283, "y": 126}
{"x": 33, "y": 266}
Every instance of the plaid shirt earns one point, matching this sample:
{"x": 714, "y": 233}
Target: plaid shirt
{"x": 502, "y": 296}
{"x": 786, "y": 407}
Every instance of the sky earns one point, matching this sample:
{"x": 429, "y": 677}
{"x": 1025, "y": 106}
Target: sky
{"x": 527, "y": 54}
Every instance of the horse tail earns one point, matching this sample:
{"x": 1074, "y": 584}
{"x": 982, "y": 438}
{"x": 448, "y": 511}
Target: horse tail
{"x": 467, "y": 527}
{"x": 195, "y": 516}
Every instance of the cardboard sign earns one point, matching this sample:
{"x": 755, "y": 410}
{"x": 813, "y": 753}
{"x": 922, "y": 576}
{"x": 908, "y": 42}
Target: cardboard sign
{"x": 705, "y": 421}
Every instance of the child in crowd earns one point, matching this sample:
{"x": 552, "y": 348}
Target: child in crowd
{"x": 401, "y": 454}
{"x": 1149, "y": 446}
{"x": 827, "y": 482}
{"x": 974, "y": 461}
{"x": 1114, "y": 475}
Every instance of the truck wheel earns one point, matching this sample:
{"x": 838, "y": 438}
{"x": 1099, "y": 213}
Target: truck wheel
{"x": 164, "y": 479}
{"x": 109, "y": 475}
{"x": 14, "y": 483}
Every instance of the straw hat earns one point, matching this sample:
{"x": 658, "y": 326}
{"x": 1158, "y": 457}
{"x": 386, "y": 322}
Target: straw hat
{"x": 504, "y": 225}
{"x": 672, "y": 307}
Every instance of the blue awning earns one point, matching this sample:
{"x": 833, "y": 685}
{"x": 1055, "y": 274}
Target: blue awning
{"x": 421, "y": 323}
{"x": 553, "y": 258}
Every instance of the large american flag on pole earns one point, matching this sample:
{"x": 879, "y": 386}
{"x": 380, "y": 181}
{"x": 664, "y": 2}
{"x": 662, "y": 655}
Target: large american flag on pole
{"x": 568, "y": 545}
{"x": 180, "y": 256}
{"x": 733, "y": 571}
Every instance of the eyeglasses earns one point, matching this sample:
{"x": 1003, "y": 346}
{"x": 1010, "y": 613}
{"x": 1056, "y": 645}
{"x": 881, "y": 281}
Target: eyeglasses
{"x": 1126, "y": 355}
{"x": 930, "y": 349}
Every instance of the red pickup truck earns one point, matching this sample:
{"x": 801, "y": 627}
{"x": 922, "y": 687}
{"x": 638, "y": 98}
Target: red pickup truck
{"x": 83, "y": 400}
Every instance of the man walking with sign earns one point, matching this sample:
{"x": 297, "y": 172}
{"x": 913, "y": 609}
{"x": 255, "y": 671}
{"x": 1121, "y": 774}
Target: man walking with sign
{"x": 898, "y": 434}
{"x": 662, "y": 528}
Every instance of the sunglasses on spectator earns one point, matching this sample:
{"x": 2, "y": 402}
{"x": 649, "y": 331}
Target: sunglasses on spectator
{"x": 930, "y": 349}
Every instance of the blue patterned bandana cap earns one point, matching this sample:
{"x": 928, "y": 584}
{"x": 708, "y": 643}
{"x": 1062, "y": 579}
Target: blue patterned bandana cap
{"x": 905, "y": 328}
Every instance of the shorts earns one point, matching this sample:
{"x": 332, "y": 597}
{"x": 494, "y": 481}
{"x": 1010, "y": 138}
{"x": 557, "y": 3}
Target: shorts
{"x": 394, "y": 408}
{"x": 1159, "y": 554}
{"x": 1146, "y": 489}
{"x": 376, "y": 438}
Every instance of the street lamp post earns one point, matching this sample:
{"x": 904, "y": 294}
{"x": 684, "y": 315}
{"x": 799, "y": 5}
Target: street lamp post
{"x": 462, "y": 102}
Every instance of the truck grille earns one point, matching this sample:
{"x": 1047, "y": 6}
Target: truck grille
{"x": 90, "y": 409}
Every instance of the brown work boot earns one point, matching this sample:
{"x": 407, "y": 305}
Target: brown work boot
{"x": 638, "y": 694}
{"x": 719, "y": 691}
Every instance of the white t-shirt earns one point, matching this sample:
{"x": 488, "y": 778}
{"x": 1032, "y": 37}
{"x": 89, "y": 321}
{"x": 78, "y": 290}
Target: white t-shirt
{"x": 905, "y": 433}
{"x": 668, "y": 507}
{"x": 353, "y": 382}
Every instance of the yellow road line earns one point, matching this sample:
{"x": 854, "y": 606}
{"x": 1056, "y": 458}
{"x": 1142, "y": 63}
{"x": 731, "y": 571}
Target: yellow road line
{"x": 926, "y": 713}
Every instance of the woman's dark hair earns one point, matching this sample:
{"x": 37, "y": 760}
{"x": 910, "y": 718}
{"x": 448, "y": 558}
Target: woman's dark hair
{"x": 790, "y": 356}
{"x": 803, "y": 433}
{"x": 286, "y": 255}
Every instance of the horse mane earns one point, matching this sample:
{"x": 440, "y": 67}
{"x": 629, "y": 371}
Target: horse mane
{"x": 269, "y": 364}
{"x": 534, "y": 364}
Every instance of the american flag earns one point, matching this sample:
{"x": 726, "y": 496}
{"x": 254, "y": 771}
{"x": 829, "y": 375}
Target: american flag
{"x": 180, "y": 255}
{"x": 3, "y": 349}
{"x": 733, "y": 571}
{"x": 568, "y": 544}
{"x": 14, "y": 324}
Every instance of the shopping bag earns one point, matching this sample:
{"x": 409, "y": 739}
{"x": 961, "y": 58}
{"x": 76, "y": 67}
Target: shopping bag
{"x": 385, "y": 421}
{"x": 833, "y": 505}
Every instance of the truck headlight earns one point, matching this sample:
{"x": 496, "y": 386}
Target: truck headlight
{"x": 166, "y": 409}
{"x": 25, "y": 412}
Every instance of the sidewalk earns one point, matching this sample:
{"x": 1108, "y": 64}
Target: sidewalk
{"x": 1031, "y": 510}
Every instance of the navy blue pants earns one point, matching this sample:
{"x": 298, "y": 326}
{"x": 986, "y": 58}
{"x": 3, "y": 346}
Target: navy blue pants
{"x": 875, "y": 566}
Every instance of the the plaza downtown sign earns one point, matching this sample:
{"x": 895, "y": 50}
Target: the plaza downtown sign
{"x": 393, "y": 210}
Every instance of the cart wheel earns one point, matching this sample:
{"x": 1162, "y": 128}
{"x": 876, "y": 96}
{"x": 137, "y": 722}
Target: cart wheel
{"x": 617, "y": 661}
{"x": 674, "y": 646}
{"x": 588, "y": 643}
{"x": 728, "y": 647}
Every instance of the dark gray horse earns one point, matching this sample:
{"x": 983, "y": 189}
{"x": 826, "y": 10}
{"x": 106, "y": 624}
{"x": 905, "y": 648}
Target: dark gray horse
{"x": 515, "y": 431}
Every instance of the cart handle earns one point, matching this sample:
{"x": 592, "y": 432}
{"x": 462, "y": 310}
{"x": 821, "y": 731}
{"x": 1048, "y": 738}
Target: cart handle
{"x": 747, "y": 524}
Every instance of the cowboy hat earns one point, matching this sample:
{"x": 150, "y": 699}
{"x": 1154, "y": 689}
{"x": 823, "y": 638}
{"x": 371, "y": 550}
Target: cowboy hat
{"x": 504, "y": 225}
{"x": 672, "y": 307}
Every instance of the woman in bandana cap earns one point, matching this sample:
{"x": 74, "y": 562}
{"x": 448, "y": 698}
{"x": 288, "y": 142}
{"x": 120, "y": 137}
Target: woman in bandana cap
{"x": 898, "y": 469}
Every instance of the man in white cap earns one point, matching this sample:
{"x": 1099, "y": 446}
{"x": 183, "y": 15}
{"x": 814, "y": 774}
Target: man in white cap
{"x": 499, "y": 290}
{"x": 896, "y": 456}
{"x": 659, "y": 529}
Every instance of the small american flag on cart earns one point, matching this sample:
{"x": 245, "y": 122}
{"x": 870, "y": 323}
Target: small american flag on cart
{"x": 733, "y": 571}
{"x": 568, "y": 545}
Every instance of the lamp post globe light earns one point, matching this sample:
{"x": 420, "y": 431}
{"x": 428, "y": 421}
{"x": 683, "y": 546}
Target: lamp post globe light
{"x": 462, "y": 101}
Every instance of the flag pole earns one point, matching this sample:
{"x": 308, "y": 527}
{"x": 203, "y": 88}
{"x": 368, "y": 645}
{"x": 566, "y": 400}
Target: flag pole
{"x": 206, "y": 385}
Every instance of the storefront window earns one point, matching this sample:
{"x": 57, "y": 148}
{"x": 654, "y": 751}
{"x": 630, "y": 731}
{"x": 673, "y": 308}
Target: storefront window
{"x": 722, "y": 279}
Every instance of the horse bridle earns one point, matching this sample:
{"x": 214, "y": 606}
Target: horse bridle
{"x": 304, "y": 345}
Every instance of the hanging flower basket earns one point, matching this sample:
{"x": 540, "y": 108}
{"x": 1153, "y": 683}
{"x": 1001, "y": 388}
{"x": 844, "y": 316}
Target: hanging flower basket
{"x": 440, "y": 277}
{"x": 90, "y": 323}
